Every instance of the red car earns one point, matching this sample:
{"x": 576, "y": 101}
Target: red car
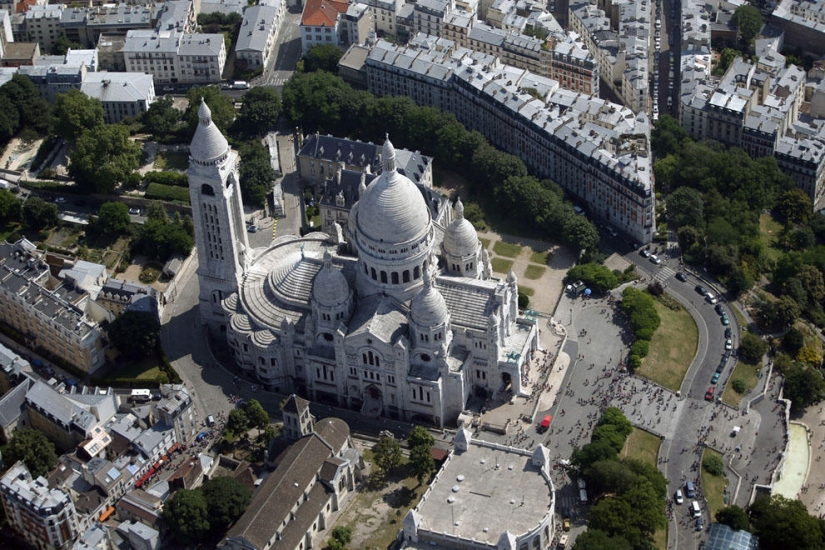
{"x": 709, "y": 394}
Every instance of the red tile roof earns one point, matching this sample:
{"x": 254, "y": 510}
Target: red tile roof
{"x": 322, "y": 13}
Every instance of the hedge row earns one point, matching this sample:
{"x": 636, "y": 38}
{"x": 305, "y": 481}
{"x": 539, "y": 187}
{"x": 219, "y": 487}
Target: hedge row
{"x": 177, "y": 179}
{"x": 644, "y": 320}
{"x": 162, "y": 192}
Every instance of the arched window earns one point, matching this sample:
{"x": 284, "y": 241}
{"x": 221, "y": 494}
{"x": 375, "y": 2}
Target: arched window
{"x": 417, "y": 273}
{"x": 383, "y": 276}
{"x": 374, "y": 276}
{"x": 406, "y": 276}
{"x": 394, "y": 275}
{"x": 366, "y": 269}
{"x": 206, "y": 189}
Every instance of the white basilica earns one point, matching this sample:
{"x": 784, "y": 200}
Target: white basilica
{"x": 395, "y": 315}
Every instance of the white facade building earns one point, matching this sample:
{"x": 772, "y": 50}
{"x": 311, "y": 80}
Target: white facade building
{"x": 259, "y": 32}
{"x": 122, "y": 94}
{"x": 402, "y": 320}
{"x": 170, "y": 56}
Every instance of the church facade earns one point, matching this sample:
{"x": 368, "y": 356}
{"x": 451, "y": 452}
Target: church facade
{"x": 394, "y": 314}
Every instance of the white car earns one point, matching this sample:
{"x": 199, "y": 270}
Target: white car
{"x": 678, "y": 497}
{"x": 134, "y": 211}
{"x": 655, "y": 259}
{"x": 728, "y": 344}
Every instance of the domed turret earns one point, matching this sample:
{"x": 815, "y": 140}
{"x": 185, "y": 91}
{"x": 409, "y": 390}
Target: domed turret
{"x": 392, "y": 209}
{"x": 208, "y": 144}
{"x": 461, "y": 238}
{"x": 330, "y": 288}
{"x": 428, "y": 308}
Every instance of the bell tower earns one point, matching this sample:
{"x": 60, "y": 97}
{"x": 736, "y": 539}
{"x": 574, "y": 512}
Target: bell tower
{"x": 217, "y": 212}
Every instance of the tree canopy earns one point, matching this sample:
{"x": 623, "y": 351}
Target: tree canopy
{"x": 186, "y": 515}
{"x": 256, "y": 175}
{"x": 387, "y": 454}
{"x": 103, "y": 157}
{"x": 595, "y": 276}
{"x": 33, "y": 448}
{"x": 222, "y": 108}
{"x": 748, "y": 21}
{"x": 135, "y": 334}
{"x": 226, "y": 500}
{"x": 75, "y": 112}
{"x": 10, "y": 206}
{"x": 160, "y": 237}
{"x": 256, "y": 414}
{"x": 782, "y": 523}
{"x": 734, "y": 517}
{"x": 24, "y": 109}
{"x": 323, "y": 57}
{"x": 39, "y": 214}
{"x": 113, "y": 218}
{"x": 161, "y": 119}
{"x": 752, "y": 347}
{"x": 260, "y": 111}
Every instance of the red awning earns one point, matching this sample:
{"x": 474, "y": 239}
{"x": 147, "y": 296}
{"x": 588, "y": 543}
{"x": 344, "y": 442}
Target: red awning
{"x": 174, "y": 447}
{"x": 146, "y": 476}
{"x": 546, "y": 422}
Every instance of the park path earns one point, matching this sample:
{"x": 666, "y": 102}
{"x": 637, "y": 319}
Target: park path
{"x": 547, "y": 288}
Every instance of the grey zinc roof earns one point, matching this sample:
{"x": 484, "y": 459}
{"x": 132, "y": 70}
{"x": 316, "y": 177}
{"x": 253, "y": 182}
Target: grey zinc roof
{"x": 118, "y": 87}
{"x": 381, "y": 317}
{"x": 256, "y": 27}
{"x": 11, "y": 404}
{"x": 471, "y": 302}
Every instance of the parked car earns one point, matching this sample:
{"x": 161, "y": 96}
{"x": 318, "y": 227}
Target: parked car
{"x": 728, "y": 344}
{"x": 134, "y": 211}
{"x": 654, "y": 259}
{"x": 681, "y": 277}
{"x": 725, "y": 320}
{"x": 566, "y": 524}
{"x": 645, "y": 253}
{"x": 715, "y": 378}
{"x": 709, "y": 394}
{"x": 699, "y": 524}
{"x": 252, "y": 228}
{"x": 701, "y": 290}
{"x": 728, "y": 333}
{"x": 678, "y": 497}
{"x": 720, "y": 309}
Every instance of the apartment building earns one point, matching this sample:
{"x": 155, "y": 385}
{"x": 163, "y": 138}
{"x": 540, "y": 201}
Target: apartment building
{"x": 171, "y": 57}
{"x": 122, "y": 94}
{"x": 42, "y": 23}
{"x": 429, "y": 15}
{"x": 804, "y": 24}
{"x": 85, "y": 25}
{"x": 50, "y": 314}
{"x": 258, "y": 33}
{"x": 44, "y": 517}
{"x": 320, "y": 23}
{"x": 595, "y": 149}
{"x": 384, "y": 13}
{"x": 6, "y": 34}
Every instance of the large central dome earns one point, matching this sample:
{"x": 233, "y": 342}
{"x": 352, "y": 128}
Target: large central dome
{"x": 393, "y": 209}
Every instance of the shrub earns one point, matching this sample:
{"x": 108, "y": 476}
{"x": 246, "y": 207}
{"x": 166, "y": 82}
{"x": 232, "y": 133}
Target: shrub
{"x": 714, "y": 465}
{"x": 655, "y": 288}
{"x": 634, "y": 362}
{"x": 157, "y": 191}
{"x": 739, "y": 386}
{"x": 177, "y": 179}
{"x": 640, "y": 348}
{"x": 523, "y": 299}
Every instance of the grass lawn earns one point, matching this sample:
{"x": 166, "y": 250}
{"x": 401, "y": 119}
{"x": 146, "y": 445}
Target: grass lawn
{"x": 507, "y": 250}
{"x": 672, "y": 347}
{"x": 770, "y": 229}
{"x": 644, "y": 446}
{"x": 485, "y": 243}
{"x": 713, "y": 486}
{"x": 540, "y": 257}
{"x": 172, "y": 160}
{"x": 500, "y": 265}
{"x": 534, "y": 271}
{"x": 526, "y": 290}
{"x": 745, "y": 371}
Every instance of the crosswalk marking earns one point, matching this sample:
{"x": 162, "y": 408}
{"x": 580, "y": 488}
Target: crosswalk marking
{"x": 274, "y": 228}
{"x": 664, "y": 274}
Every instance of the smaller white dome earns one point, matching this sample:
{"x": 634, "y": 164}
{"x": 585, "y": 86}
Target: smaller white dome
{"x": 461, "y": 238}
{"x": 330, "y": 287}
{"x": 511, "y": 277}
{"x": 428, "y": 308}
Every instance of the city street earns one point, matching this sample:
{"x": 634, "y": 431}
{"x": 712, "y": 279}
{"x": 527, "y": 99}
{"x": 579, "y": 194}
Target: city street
{"x": 285, "y": 53}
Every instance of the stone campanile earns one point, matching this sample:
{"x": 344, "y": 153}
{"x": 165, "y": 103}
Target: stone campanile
{"x": 217, "y": 212}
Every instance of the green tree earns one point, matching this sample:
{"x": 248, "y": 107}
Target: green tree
{"x": 810, "y": 355}
{"x": 306, "y": 98}
{"x": 187, "y": 516}
{"x": 616, "y": 517}
{"x": 260, "y": 111}
{"x": 257, "y": 415}
{"x": 727, "y": 57}
{"x": 103, "y": 157}
{"x": 256, "y": 174}
{"x": 226, "y": 499}
{"x": 24, "y": 106}
{"x": 387, "y": 454}
{"x": 591, "y": 453}
{"x": 160, "y": 237}
{"x": 10, "y": 206}
{"x": 793, "y": 340}
{"x": 803, "y": 386}
{"x": 609, "y": 433}
{"x": 62, "y": 45}
{"x": 237, "y": 423}
{"x": 714, "y": 465}
{"x": 787, "y": 311}
{"x": 222, "y": 108}
{"x": 75, "y": 112}
{"x": 113, "y": 218}
{"x": 748, "y": 21}
{"x": 795, "y": 206}
{"x": 782, "y": 523}
{"x": 734, "y": 517}
{"x": 596, "y": 539}
{"x": 421, "y": 460}
{"x": 323, "y": 57}
{"x": 752, "y": 347}
{"x": 666, "y": 136}
{"x": 739, "y": 385}
{"x": 39, "y": 214}
{"x": 597, "y": 277}
{"x": 419, "y": 436}
{"x": 613, "y": 416}
{"x": 33, "y": 448}
{"x": 580, "y": 234}
{"x": 685, "y": 207}
{"x": 135, "y": 333}
{"x": 161, "y": 119}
